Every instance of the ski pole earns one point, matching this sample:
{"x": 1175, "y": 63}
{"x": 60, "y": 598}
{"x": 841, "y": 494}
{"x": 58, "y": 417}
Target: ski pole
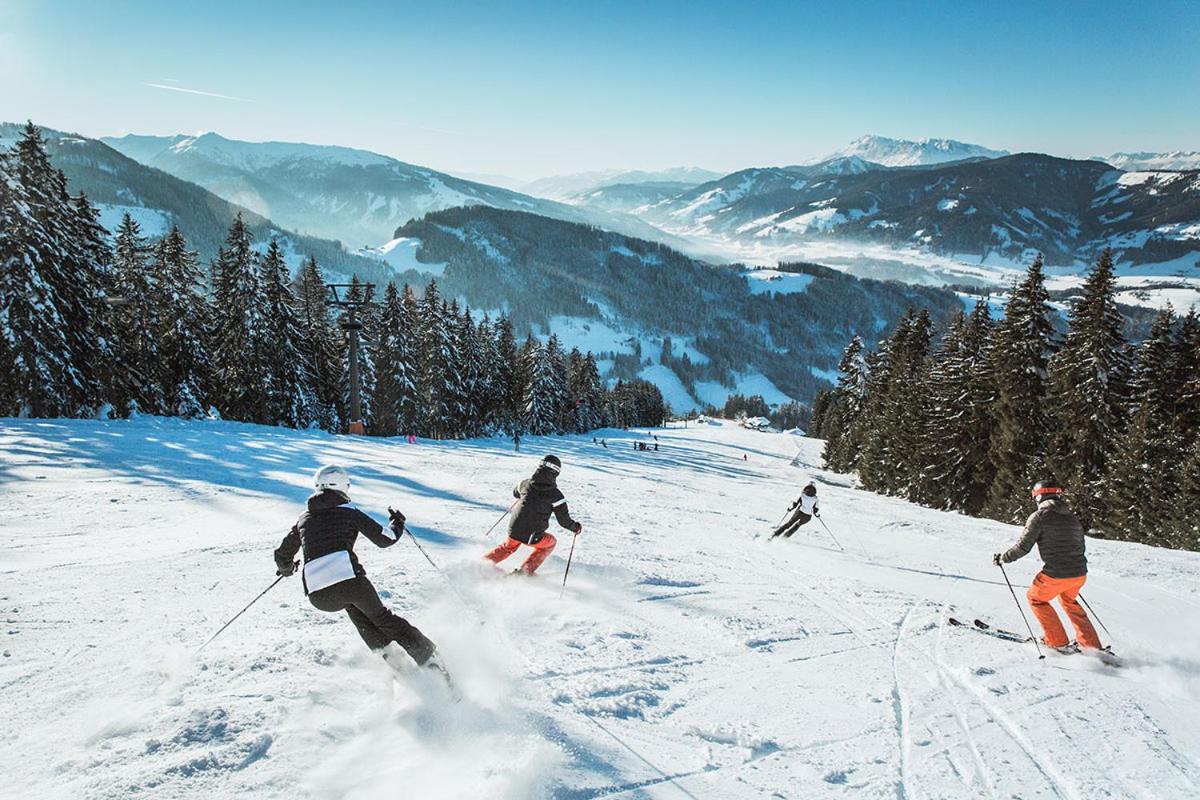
{"x": 438, "y": 570}
{"x": 1033, "y": 638}
{"x": 244, "y": 610}
{"x": 570, "y": 555}
{"x": 502, "y": 516}
{"x": 1092, "y": 611}
{"x": 831, "y": 536}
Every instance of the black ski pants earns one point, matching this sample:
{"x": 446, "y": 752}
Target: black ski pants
{"x": 792, "y": 525}
{"x": 376, "y": 624}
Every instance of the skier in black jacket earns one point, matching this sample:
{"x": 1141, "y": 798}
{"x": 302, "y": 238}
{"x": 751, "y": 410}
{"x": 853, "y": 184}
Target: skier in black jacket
{"x": 537, "y": 498}
{"x": 333, "y": 578}
{"x": 805, "y": 509}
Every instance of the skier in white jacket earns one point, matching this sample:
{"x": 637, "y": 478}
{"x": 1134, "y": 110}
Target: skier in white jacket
{"x": 805, "y": 509}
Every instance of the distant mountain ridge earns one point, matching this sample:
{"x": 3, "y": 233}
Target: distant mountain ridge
{"x": 909, "y": 153}
{"x": 567, "y": 187}
{"x": 1178, "y": 160}
{"x": 1009, "y": 207}
{"x": 352, "y": 196}
{"x": 118, "y": 184}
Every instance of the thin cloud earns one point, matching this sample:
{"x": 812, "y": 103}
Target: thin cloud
{"x": 194, "y": 91}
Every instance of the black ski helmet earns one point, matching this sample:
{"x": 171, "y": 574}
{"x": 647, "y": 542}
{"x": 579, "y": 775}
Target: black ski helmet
{"x": 1047, "y": 487}
{"x": 551, "y": 463}
{"x": 811, "y": 489}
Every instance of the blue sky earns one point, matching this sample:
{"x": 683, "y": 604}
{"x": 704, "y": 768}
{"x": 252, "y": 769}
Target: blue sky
{"x": 529, "y": 89}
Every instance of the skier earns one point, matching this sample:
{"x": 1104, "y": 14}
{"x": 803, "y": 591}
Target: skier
{"x": 805, "y": 508}
{"x": 334, "y": 580}
{"x": 537, "y": 498}
{"x": 1059, "y": 537}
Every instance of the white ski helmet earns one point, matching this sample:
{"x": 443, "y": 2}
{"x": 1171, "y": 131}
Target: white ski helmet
{"x": 333, "y": 477}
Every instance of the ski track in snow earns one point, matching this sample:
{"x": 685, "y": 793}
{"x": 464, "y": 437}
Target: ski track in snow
{"x": 689, "y": 657}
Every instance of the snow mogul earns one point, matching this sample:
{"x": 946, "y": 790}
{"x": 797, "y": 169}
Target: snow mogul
{"x": 1058, "y": 534}
{"x": 805, "y": 509}
{"x": 537, "y": 498}
{"x": 334, "y": 580}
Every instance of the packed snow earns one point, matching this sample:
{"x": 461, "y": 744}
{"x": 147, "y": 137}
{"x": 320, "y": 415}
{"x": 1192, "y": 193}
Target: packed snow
{"x": 401, "y": 255}
{"x": 685, "y": 658}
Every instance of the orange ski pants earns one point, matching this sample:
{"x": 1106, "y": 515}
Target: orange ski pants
{"x": 542, "y": 547}
{"x": 1045, "y": 589}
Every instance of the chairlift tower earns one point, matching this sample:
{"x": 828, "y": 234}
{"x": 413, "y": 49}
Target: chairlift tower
{"x": 339, "y": 296}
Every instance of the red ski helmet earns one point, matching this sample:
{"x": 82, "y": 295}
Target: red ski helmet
{"x": 1046, "y": 488}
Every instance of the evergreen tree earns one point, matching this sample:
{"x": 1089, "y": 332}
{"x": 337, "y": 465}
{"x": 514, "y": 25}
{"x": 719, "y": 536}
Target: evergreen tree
{"x": 1024, "y": 342}
{"x": 1185, "y": 378}
{"x": 1087, "y": 391}
{"x": 390, "y": 364}
{"x": 541, "y": 398}
{"x": 288, "y": 397}
{"x": 845, "y": 406}
{"x": 508, "y": 378}
{"x": 435, "y": 358}
{"x": 585, "y": 399}
{"x": 51, "y": 289}
{"x": 406, "y": 366}
{"x": 488, "y": 388}
{"x": 136, "y": 324}
{"x": 181, "y": 316}
{"x": 235, "y": 334}
{"x": 958, "y": 471}
{"x": 319, "y": 346}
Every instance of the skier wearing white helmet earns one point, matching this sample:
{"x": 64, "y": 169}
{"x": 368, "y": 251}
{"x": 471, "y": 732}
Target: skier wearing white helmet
{"x": 333, "y": 578}
{"x": 805, "y": 509}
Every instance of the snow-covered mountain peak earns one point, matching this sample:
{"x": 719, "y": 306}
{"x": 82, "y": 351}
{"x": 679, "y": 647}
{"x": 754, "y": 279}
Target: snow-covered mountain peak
{"x": 1176, "y": 160}
{"x": 908, "y": 152}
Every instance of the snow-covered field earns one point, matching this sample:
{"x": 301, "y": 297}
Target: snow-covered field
{"x": 685, "y": 659}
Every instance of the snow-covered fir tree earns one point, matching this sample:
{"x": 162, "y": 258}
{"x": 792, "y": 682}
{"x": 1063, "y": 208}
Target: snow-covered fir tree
{"x": 181, "y": 317}
{"x": 135, "y": 324}
{"x": 508, "y": 378}
{"x": 288, "y": 396}
{"x": 845, "y": 405}
{"x": 434, "y": 355}
{"x": 51, "y": 290}
{"x": 1088, "y": 378}
{"x": 1023, "y": 344}
{"x": 320, "y": 346}
{"x": 237, "y": 370}
{"x": 395, "y": 382}
{"x": 541, "y": 391}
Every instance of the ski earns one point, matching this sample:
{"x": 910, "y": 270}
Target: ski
{"x": 989, "y": 631}
{"x": 1016, "y": 637}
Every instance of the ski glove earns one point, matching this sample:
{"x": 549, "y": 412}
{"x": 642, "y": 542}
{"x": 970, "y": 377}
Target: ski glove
{"x": 288, "y": 570}
{"x": 578, "y": 528}
{"x": 396, "y": 522}
{"x": 998, "y": 559}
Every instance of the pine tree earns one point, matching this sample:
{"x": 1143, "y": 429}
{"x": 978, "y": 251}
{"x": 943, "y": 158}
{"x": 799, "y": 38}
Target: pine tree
{"x": 1087, "y": 391}
{"x": 395, "y": 367}
{"x": 1024, "y": 342}
{"x": 288, "y": 398}
{"x": 508, "y": 378}
{"x": 182, "y": 317}
{"x": 541, "y": 406}
{"x": 408, "y": 413}
{"x": 958, "y": 470}
{"x": 1185, "y": 378}
{"x": 235, "y": 333}
{"x": 320, "y": 348}
{"x": 585, "y": 400}
{"x": 845, "y": 406}
{"x": 436, "y": 359}
{"x": 136, "y": 324}
{"x": 51, "y": 289}
{"x": 488, "y": 387}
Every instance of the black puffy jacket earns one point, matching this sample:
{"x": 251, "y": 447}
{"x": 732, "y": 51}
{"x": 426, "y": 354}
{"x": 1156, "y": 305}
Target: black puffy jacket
{"x": 537, "y": 498}
{"x": 328, "y": 525}
{"x": 1058, "y": 534}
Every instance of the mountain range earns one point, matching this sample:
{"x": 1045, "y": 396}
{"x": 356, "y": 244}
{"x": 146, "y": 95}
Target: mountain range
{"x": 978, "y": 209}
{"x": 909, "y": 153}
{"x": 354, "y": 196}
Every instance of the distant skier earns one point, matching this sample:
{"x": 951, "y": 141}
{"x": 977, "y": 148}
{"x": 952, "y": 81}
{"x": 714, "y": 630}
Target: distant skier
{"x": 333, "y": 578}
{"x": 537, "y": 498}
{"x": 805, "y": 509}
{"x": 1058, "y": 534}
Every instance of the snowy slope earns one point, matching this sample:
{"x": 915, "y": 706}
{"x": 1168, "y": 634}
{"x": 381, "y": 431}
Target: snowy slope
{"x": 1177, "y": 160}
{"x": 685, "y": 659}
